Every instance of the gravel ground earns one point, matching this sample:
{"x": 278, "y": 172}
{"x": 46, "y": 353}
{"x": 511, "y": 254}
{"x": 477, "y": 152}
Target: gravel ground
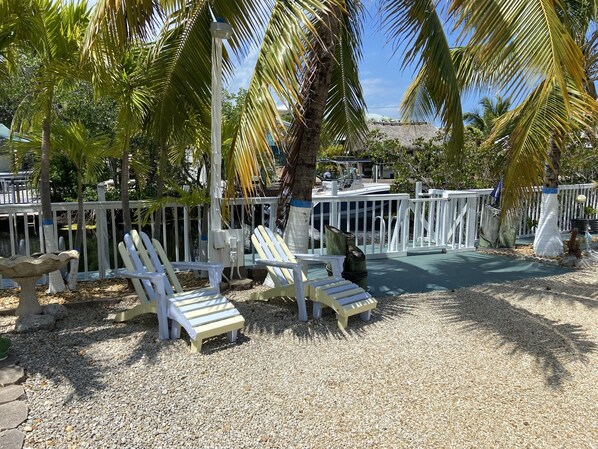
{"x": 494, "y": 366}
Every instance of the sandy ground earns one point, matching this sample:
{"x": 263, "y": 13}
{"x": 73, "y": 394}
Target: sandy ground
{"x": 511, "y": 365}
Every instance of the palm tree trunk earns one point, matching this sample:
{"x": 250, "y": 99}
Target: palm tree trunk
{"x": 56, "y": 283}
{"x": 547, "y": 241}
{"x": 300, "y": 167}
{"x": 124, "y": 187}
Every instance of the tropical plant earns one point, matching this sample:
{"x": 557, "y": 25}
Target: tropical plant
{"x": 529, "y": 50}
{"x": 124, "y": 78}
{"x": 331, "y": 103}
{"x": 53, "y": 32}
{"x": 491, "y": 110}
{"x": 299, "y": 37}
{"x": 88, "y": 154}
{"x": 426, "y": 161}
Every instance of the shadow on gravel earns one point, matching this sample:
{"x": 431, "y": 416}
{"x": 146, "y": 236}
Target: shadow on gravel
{"x": 562, "y": 294}
{"x": 278, "y": 316}
{"x": 62, "y": 355}
{"x": 553, "y": 345}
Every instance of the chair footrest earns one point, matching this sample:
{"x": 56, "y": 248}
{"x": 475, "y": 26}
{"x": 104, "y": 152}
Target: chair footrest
{"x": 205, "y": 316}
{"x": 344, "y": 297}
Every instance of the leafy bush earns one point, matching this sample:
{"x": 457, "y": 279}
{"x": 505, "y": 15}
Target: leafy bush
{"x": 427, "y": 161}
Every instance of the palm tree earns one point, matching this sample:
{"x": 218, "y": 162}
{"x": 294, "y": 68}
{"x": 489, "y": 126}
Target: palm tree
{"x": 491, "y": 110}
{"x": 88, "y": 154}
{"x": 129, "y": 87}
{"x": 299, "y": 36}
{"x": 53, "y": 31}
{"x": 331, "y": 101}
{"x": 528, "y": 49}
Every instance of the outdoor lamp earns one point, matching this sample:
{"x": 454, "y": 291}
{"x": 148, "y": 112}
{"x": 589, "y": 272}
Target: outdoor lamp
{"x": 221, "y": 29}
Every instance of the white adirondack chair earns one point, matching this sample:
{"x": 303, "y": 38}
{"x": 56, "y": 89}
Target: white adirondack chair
{"x": 203, "y": 312}
{"x": 344, "y": 297}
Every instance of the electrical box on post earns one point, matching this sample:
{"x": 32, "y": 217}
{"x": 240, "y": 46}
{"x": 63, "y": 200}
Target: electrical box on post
{"x": 227, "y": 247}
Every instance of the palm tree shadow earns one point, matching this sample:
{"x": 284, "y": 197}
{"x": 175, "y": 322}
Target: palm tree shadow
{"x": 553, "y": 345}
{"x": 45, "y": 352}
{"x": 278, "y": 316}
{"x": 559, "y": 293}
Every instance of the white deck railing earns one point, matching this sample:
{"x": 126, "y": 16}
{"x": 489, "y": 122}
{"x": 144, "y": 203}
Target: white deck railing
{"x": 389, "y": 224}
{"x": 18, "y": 189}
{"x": 568, "y": 207}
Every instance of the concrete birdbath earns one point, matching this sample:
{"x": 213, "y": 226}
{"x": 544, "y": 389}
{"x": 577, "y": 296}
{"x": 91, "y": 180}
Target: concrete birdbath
{"x": 26, "y": 270}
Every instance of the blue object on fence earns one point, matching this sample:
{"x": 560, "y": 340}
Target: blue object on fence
{"x": 495, "y": 194}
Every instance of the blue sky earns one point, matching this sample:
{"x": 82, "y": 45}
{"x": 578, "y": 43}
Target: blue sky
{"x": 382, "y": 78}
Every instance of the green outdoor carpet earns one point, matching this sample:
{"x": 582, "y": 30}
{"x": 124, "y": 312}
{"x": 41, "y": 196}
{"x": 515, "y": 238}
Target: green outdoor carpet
{"x": 435, "y": 271}
{"x": 453, "y": 270}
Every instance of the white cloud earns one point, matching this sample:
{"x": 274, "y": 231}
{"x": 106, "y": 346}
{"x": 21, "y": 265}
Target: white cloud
{"x": 243, "y": 72}
{"x": 382, "y": 96}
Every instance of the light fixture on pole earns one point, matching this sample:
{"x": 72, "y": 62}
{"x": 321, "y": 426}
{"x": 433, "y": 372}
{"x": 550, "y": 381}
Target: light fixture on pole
{"x": 220, "y": 30}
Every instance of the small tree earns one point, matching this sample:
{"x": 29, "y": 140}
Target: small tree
{"x": 88, "y": 154}
{"x": 53, "y": 32}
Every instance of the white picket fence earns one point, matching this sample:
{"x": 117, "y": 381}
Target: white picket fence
{"x": 383, "y": 225}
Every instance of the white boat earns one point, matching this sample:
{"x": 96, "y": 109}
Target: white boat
{"x": 349, "y": 182}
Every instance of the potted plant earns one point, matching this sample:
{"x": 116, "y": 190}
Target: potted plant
{"x": 4, "y": 347}
{"x": 586, "y": 218}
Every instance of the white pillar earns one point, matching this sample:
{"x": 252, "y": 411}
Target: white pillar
{"x": 333, "y": 206}
{"x": 548, "y": 241}
{"x": 220, "y": 31}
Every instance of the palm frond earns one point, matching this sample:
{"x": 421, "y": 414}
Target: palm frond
{"x": 531, "y": 34}
{"x": 543, "y": 117}
{"x": 345, "y": 117}
{"x": 116, "y": 23}
{"x": 88, "y": 153}
{"x": 282, "y": 54}
{"x": 437, "y": 90}
{"x": 180, "y": 70}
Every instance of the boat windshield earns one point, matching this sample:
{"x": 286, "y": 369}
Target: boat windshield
{"x": 336, "y": 169}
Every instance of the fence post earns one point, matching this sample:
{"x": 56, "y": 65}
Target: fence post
{"x": 445, "y": 214}
{"x": 186, "y": 236}
{"x": 102, "y": 233}
{"x": 333, "y": 205}
{"x": 472, "y": 220}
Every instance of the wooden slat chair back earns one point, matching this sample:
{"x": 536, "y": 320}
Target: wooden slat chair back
{"x": 271, "y": 246}
{"x": 202, "y": 312}
{"x": 344, "y": 297}
{"x": 155, "y": 259}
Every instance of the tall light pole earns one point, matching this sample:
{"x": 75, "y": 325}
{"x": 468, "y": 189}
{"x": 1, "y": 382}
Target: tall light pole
{"x": 220, "y": 31}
